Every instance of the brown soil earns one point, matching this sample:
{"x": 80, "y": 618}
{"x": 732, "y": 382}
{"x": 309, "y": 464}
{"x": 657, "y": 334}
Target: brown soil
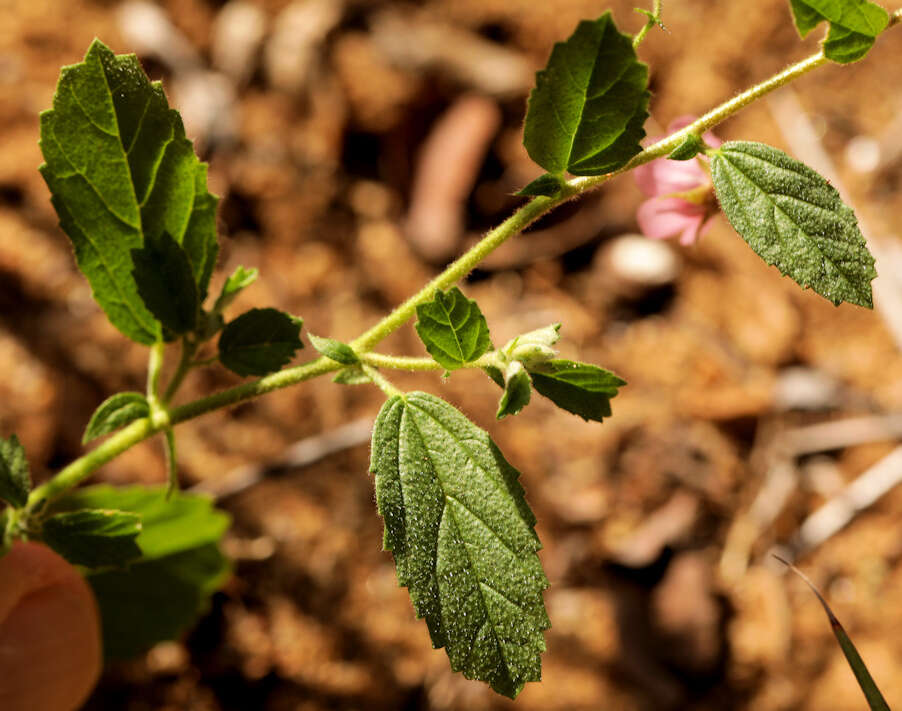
{"x": 662, "y": 593}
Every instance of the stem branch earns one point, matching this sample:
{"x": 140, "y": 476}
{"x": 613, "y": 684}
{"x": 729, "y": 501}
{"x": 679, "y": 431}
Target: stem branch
{"x": 139, "y": 430}
{"x": 380, "y": 380}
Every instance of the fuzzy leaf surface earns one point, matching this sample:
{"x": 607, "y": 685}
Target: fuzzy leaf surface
{"x": 587, "y": 111}
{"x": 453, "y": 328}
{"x": 854, "y": 25}
{"x": 463, "y": 539}
{"x": 336, "y": 350}
{"x": 120, "y": 168}
{"x": 581, "y": 388}
{"x": 165, "y": 283}
{"x": 15, "y": 480}
{"x": 163, "y": 593}
{"x": 795, "y": 220}
{"x": 115, "y": 412}
{"x": 260, "y": 341}
{"x": 94, "y": 537}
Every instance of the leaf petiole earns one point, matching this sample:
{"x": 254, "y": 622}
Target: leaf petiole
{"x": 654, "y": 18}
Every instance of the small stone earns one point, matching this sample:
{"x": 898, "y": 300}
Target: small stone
{"x": 237, "y": 35}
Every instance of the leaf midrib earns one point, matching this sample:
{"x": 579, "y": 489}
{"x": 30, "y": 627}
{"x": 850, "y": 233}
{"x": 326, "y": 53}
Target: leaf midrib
{"x": 447, "y": 509}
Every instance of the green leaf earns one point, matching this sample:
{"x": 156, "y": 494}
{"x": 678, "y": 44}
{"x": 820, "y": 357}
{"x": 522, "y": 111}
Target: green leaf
{"x": 868, "y": 686}
{"x": 794, "y": 219}
{"x": 495, "y": 375}
{"x": 336, "y": 350}
{"x": 166, "y": 283}
{"x": 583, "y": 389}
{"x": 453, "y": 329}
{"x": 462, "y": 536}
{"x": 115, "y": 412}
{"x": 691, "y": 146}
{"x": 354, "y": 375}
{"x": 120, "y": 168}
{"x": 844, "y": 46}
{"x": 854, "y": 24}
{"x": 517, "y": 390}
{"x": 164, "y": 592}
{"x": 587, "y": 112}
{"x": 546, "y": 185}
{"x": 259, "y": 341}
{"x": 15, "y": 481}
{"x": 94, "y": 538}
{"x": 240, "y": 279}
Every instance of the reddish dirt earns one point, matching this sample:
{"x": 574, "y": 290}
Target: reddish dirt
{"x": 662, "y": 594}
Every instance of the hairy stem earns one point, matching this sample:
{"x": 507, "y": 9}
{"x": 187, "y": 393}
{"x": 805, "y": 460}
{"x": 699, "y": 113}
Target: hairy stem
{"x": 380, "y": 380}
{"x": 154, "y": 370}
{"x": 654, "y": 18}
{"x": 380, "y": 360}
{"x": 139, "y": 430}
{"x": 189, "y": 348}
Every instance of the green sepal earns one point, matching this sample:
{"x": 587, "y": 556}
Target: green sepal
{"x": 463, "y": 539}
{"x": 15, "y": 480}
{"x": 116, "y": 411}
{"x": 794, "y": 219}
{"x": 587, "y": 111}
{"x": 517, "y": 390}
{"x": 160, "y": 595}
{"x": 259, "y": 341}
{"x": 534, "y": 346}
{"x": 120, "y": 169}
{"x": 165, "y": 282}
{"x": 546, "y": 185}
{"x": 335, "y": 350}
{"x": 581, "y": 388}
{"x": 691, "y": 146}
{"x": 453, "y": 329}
{"x": 94, "y": 538}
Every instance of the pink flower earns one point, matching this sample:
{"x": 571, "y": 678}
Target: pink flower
{"x": 681, "y": 196}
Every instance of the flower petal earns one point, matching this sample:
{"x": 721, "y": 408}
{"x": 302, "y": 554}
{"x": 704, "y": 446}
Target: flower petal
{"x": 691, "y": 233}
{"x": 665, "y": 177}
{"x": 660, "y": 218}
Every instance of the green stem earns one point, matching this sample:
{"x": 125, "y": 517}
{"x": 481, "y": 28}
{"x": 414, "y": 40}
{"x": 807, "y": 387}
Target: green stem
{"x": 189, "y": 348}
{"x": 380, "y": 380}
{"x": 171, "y": 463}
{"x": 711, "y": 119}
{"x": 87, "y": 464}
{"x": 654, "y": 18}
{"x": 380, "y": 360}
{"x": 154, "y": 369}
{"x": 457, "y": 270}
{"x": 139, "y": 430}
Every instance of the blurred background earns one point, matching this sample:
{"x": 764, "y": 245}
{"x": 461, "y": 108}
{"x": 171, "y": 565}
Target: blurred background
{"x": 357, "y": 146}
